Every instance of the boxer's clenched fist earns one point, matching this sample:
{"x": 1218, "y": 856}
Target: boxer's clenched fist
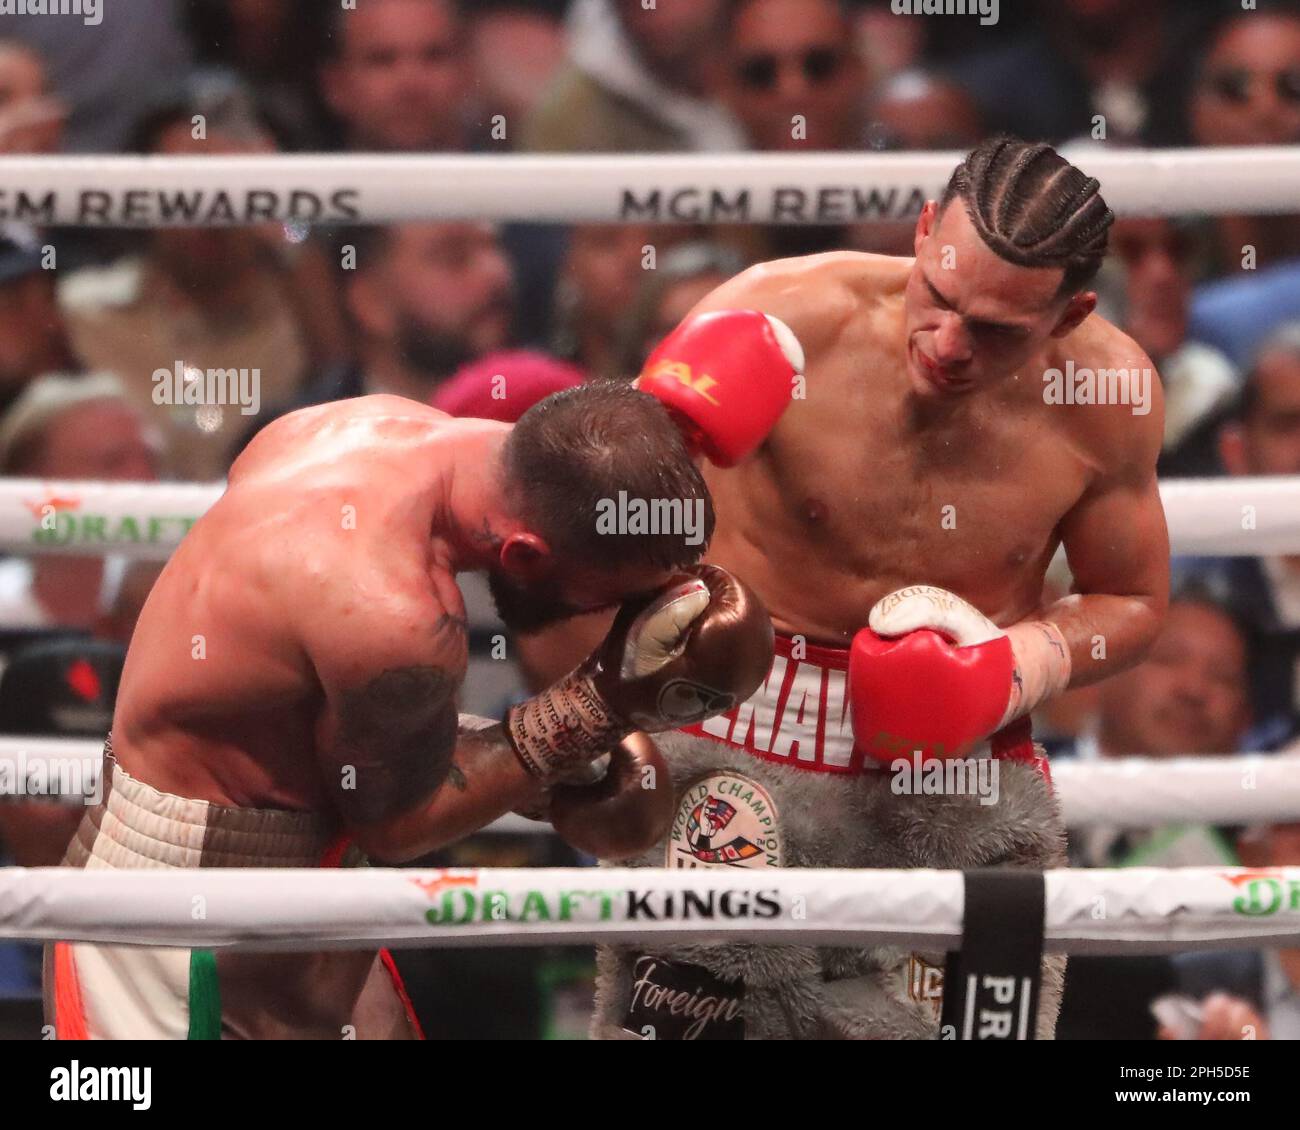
{"x": 623, "y": 813}
{"x": 690, "y": 651}
{"x": 932, "y": 674}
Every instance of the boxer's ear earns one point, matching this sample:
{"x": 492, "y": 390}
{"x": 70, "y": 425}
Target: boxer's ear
{"x": 1078, "y": 308}
{"x": 525, "y": 556}
{"x": 924, "y": 225}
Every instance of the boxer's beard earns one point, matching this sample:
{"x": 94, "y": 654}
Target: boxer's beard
{"x": 527, "y": 610}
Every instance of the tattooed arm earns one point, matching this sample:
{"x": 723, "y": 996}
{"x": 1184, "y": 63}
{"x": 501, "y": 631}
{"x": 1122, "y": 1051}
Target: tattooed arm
{"x": 406, "y": 775}
{"x": 484, "y": 780}
{"x": 389, "y": 667}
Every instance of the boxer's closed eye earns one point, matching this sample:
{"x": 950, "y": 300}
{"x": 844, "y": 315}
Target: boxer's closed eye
{"x": 938, "y": 298}
{"x": 998, "y": 329}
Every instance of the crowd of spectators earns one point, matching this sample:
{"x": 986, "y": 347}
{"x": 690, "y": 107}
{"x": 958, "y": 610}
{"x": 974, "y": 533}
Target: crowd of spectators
{"x": 439, "y": 311}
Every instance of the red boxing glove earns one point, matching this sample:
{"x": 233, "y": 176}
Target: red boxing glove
{"x": 932, "y": 674}
{"x": 920, "y": 693}
{"x": 726, "y": 376}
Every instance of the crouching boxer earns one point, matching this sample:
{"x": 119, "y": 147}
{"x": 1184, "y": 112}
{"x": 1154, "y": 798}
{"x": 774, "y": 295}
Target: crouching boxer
{"x": 896, "y": 515}
{"x": 292, "y": 682}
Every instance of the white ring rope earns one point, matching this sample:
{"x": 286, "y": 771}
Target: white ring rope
{"x": 1242, "y": 517}
{"x": 1130, "y": 792}
{"x": 1143, "y": 792}
{"x": 1233, "y": 517}
{"x": 1088, "y": 910}
{"x": 671, "y": 188}
{"x": 142, "y": 521}
{"x": 1136, "y": 910}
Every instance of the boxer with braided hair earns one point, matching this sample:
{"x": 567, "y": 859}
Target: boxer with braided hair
{"x": 957, "y": 417}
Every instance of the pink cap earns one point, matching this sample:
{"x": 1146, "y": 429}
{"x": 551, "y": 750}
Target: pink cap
{"x": 503, "y": 386}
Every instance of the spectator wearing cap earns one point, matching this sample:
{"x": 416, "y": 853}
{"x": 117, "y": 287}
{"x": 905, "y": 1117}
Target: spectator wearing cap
{"x": 33, "y": 337}
{"x": 61, "y": 688}
{"x": 503, "y": 386}
{"x": 201, "y": 299}
{"x": 637, "y": 80}
{"x": 66, "y": 688}
{"x": 61, "y": 428}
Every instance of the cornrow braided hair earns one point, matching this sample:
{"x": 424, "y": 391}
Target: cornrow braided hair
{"x": 1033, "y": 208}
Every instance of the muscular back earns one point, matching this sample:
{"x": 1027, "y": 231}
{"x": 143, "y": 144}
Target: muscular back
{"x": 318, "y": 575}
{"x": 857, "y": 492}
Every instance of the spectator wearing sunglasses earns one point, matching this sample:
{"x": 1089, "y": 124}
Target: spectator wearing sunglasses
{"x": 1249, "y": 83}
{"x": 792, "y": 76}
{"x": 1248, "y": 93}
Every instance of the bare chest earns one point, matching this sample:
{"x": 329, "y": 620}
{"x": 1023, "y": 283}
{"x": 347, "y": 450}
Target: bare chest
{"x": 850, "y": 497}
